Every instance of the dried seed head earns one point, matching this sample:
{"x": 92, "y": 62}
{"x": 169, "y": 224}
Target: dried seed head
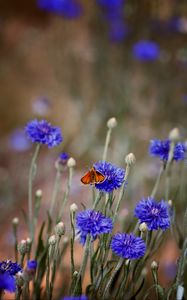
{"x": 174, "y": 135}
{"x": 15, "y": 221}
{"x": 71, "y": 162}
{"x": 143, "y": 227}
{"x": 154, "y": 265}
{"x": 130, "y": 159}
{"x": 60, "y": 229}
{"x": 111, "y": 123}
{"x": 52, "y": 240}
{"x": 73, "y": 208}
{"x": 22, "y": 247}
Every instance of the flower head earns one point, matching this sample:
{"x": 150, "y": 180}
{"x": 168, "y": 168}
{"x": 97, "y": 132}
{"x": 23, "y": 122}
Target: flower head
{"x": 92, "y": 222}
{"x": 8, "y": 270}
{"x": 68, "y": 9}
{"x": 114, "y": 176}
{"x": 63, "y": 157}
{"x": 75, "y": 298}
{"x": 111, "y": 4}
{"x": 161, "y": 149}
{"x": 44, "y": 133}
{"x": 154, "y": 214}
{"x": 32, "y": 265}
{"x": 145, "y": 50}
{"x": 128, "y": 246}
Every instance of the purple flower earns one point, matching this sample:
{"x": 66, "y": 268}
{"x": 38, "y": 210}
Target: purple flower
{"x": 110, "y": 4}
{"x": 92, "y": 222}
{"x": 18, "y": 140}
{"x": 114, "y": 176}
{"x": 63, "y": 157}
{"x": 145, "y": 50}
{"x": 128, "y": 246}
{"x": 68, "y": 9}
{"x": 117, "y": 31}
{"x": 160, "y": 148}
{"x": 44, "y": 133}
{"x": 8, "y": 270}
{"x": 32, "y": 265}
{"x": 154, "y": 214}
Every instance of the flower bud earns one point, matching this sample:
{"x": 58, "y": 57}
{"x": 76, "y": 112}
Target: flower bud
{"x": 111, "y": 123}
{"x": 144, "y": 272}
{"x": 154, "y": 265}
{"x": 60, "y": 229}
{"x": 71, "y": 162}
{"x": 39, "y": 193}
{"x": 130, "y": 159}
{"x": 143, "y": 227}
{"x": 22, "y": 247}
{"x": 15, "y": 221}
{"x": 65, "y": 240}
{"x": 170, "y": 202}
{"x": 73, "y": 208}
{"x": 52, "y": 240}
{"x": 180, "y": 292}
{"x": 174, "y": 135}
{"x": 28, "y": 244}
{"x": 20, "y": 279}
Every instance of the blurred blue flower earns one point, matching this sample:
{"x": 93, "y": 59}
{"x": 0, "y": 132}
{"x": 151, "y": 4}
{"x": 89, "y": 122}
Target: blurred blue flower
{"x": 128, "y": 246}
{"x": 41, "y": 106}
{"x": 75, "y": 298}
{"x": 8, "y": 270}
{"x": 160, "y": 148}
{"x": 69, "y": 9}
{"x": 154, "y": 214}
{"x": 114, "y": 176}
{"x": 117, "y": 31}
{"x": 44, "y": 133}
{"x": 63, "y": 157}
{"x": 92, "y": 222}
{"x": 32, "y": 264}
{"x": 111, "y": 4}
{"x": 145, "y": 50}
{"x": 18, "y": 140}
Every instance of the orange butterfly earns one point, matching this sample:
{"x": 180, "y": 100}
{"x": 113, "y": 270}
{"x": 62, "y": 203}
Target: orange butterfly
{"x": 93, "y": 176}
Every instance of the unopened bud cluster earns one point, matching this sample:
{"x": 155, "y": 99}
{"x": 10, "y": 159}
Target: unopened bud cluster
{"x": 130, "y": 159}
{"x": 112, "y": 123}
{"x": 73, "y": 208}
{"x": 22, "y": 247}
{"x": 60, "y": 229}
{"x": 71, "y": 162}
{"x": 174, "y": 135}
{"x": 52, "y": 240}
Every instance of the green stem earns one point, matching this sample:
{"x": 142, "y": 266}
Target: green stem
{"x": 110, "y": 281}
{"x": 31, "y": 178}
{"x": 81, "y": 273}
{"x": 107, "y": 141}
{"x": 66, "y": 194}
{"x": 157, "y": 181}
{"x": 72, "y": 217}
{"x": 55, "y": 191}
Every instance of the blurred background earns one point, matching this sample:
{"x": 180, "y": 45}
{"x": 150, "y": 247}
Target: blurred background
{"x": 77, "y": 63}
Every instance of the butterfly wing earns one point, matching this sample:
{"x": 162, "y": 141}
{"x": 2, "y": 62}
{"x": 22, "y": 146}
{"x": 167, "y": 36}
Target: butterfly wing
{"x": 99, "y": 177}
{"x": 86, "y": 179}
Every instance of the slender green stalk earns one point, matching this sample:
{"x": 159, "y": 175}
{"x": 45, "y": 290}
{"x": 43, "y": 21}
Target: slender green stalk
{"x": 32, "y": 173}
{"x": 97, "y": 199}
{"x": 155, "y": 188}
{"x": 121, "y": 193}
{"x": 15, "y": 241}
{"x": 107, "y": 141}
{"x": 81, "y": 272}
{"x": 55, "y": 191}
{"x": 66, "y": 194}
{"x": 72, "y": 217}
{"x": 110, "y": 281}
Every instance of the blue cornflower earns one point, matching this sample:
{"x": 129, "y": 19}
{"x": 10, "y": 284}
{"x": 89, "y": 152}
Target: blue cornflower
{"x": 75, "y": 298}
{"x": 32, "y": 265}
{"x": 63, "y": 157}
{"x": 154, "y": 214}
{"x": 145, "y": 50}
{"x": 69, "y": 9}
{"x": 18, "y": 140}
{"x": 161, "y": 149}
{"x": 117, "y": 31}
{"x": 8, "y": 270}
{"x": 128, "y": 246}
{"x": 44, "y": 133}
{"x": 92, "y": 222}
{"x": 114, "y": 176}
